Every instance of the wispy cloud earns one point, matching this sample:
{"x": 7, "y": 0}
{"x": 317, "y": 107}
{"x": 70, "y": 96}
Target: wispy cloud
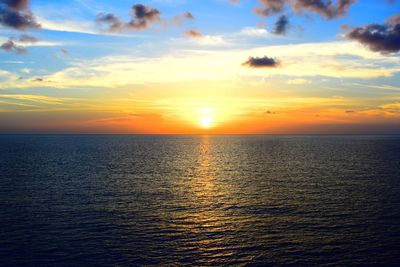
{"x": 77, "y": 26}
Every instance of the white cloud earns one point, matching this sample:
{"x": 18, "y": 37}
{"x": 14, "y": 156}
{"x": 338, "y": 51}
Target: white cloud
{"x": 299, "y": 62}
{"x": 25, "y": 70}
{"x": 255, "y": 32}
{"x": 299, "y": 81}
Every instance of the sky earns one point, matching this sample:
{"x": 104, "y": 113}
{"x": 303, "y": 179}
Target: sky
{"x": 200, "y": 67}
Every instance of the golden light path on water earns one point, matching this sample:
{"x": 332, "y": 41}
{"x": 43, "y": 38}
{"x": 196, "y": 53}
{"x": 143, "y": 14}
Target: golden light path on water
{"x": 208, "y": 221}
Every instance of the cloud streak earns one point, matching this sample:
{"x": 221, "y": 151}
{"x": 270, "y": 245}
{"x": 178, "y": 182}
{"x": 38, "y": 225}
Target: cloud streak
{"x": 341, "y": 60}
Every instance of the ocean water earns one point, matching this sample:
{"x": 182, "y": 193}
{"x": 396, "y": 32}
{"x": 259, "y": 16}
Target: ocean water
{"x": 92, "y": 200}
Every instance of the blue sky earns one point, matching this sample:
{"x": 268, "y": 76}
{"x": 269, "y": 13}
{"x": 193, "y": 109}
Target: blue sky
{"x": 212, "y": 17}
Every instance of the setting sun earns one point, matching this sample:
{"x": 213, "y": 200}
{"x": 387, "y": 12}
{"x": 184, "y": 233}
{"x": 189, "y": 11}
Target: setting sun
{"x": 206, "y": 122}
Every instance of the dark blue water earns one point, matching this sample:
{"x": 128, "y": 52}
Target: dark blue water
{"x": 199, "y": 200}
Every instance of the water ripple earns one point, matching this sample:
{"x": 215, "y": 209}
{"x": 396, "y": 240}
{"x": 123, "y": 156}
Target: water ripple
{"x": 199, "y": 200}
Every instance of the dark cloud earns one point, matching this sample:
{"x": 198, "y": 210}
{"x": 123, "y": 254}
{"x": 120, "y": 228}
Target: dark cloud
{"x": 261, "y": 62}
{"x": 65, "y": 52}
{"x": 326, "y": 8}
{"x": 380, "y": 38}
{"x": 270, "y": 7}
{"x": 194, "y": 33}
{"x": 281, "y": 25}
{"x": 142, "y": 17}
{"x": 188, "y": 15}
{"x": 26, "y": 38}
{"x": 114, "y": 23}
{"x": 62, "y": 53}
{"x": 16, "y": 14}
{"x": 394, "y": 20}
{"x": 10, "y": 46}
{"x": 178, "y": 20}
{"x": 16, "y": 4}
{"x": 142, "y": 12}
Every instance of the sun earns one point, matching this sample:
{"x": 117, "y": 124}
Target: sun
{"x": 206, "y": 122}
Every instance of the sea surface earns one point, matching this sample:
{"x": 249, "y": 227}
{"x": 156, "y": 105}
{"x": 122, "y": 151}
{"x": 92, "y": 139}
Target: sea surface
{"x": 115, "y": 200}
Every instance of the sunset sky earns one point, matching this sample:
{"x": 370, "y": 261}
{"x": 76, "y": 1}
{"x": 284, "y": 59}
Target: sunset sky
{"x": 190, "y": 66}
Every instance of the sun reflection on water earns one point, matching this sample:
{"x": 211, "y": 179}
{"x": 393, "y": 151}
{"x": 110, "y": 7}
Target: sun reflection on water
{"x": 206, "y": 219}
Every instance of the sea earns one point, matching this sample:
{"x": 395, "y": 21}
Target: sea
{"x": 234, "y": 200}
